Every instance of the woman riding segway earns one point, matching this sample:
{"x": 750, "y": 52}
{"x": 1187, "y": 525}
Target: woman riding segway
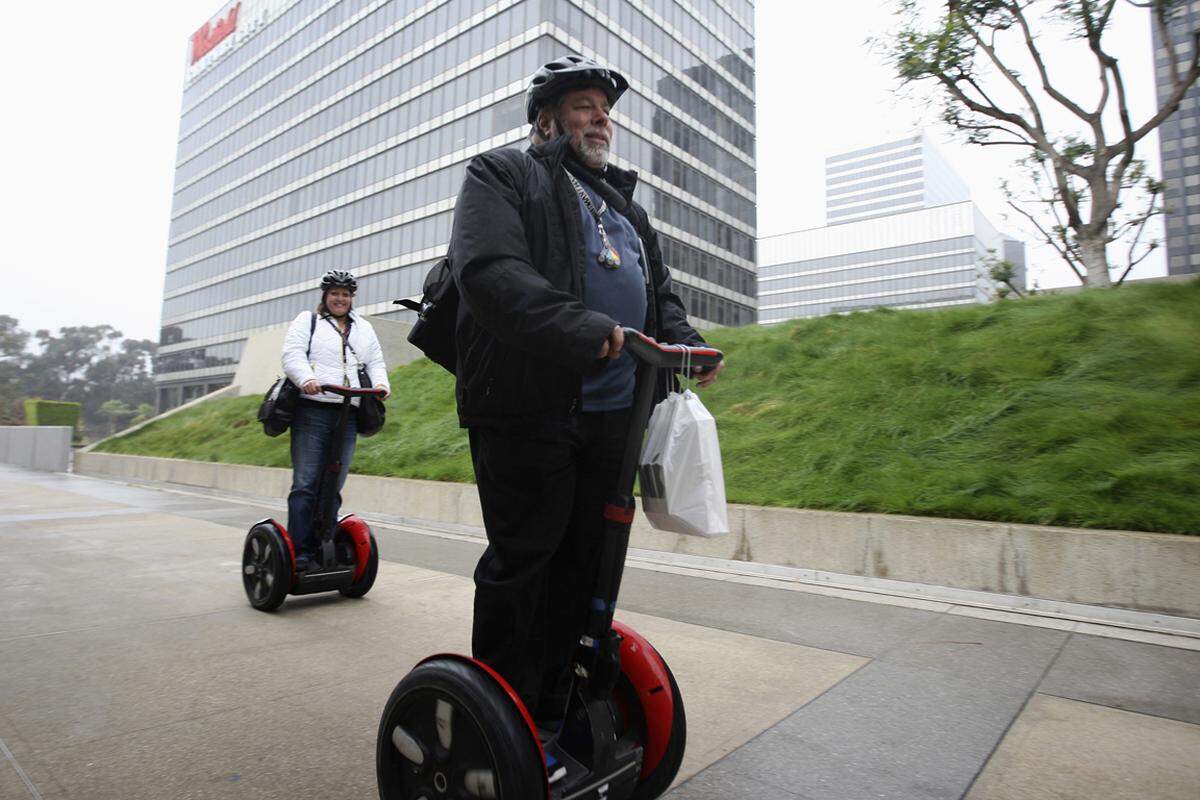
{"x": 341, "y": 341}
{"x": 334, "y": 357}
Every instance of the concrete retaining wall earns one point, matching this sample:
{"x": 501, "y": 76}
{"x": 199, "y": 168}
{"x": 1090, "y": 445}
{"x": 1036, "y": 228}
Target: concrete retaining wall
{"x": 1140, "y": 571}
{"x": 44, "y": 447}
{"x": 260, "y": 366}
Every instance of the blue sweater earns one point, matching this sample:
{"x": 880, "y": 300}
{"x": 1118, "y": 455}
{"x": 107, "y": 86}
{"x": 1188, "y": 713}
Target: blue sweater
{"x": 620, "y": 293}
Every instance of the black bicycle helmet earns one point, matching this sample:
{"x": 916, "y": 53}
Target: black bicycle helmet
{"x": 338, "y": 279}
{"x": 567, "y": 73}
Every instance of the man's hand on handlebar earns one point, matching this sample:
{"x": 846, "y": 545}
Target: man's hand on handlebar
{"x": 706, "y": 375}
{"x": 611, "y": 349}
{"x": 311, "y": 387}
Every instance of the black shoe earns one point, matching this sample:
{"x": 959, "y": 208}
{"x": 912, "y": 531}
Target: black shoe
{"x": 306, "y": 562}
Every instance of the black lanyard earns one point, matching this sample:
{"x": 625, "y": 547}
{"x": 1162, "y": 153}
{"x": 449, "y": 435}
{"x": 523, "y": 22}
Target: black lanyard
{"x": 345, "y": 337}
{"x": 609, "y": 257}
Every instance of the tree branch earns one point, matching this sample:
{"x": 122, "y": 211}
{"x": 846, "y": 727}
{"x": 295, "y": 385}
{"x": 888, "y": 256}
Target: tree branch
{"x": 1062, "y": 251}
{"x": 1066, "y": 102}
{"x": 1007, "y": 73}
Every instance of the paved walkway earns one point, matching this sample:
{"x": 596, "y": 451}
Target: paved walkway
{"x": 131, "y": 667}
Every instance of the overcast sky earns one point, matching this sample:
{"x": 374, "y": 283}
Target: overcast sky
{"x": 92, "y": 93}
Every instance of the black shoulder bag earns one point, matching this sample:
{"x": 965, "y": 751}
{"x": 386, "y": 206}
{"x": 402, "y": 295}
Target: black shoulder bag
{"x": 371, "y": 412}
{"x": 276, "y": 410}
{"x": 433, "y": 333}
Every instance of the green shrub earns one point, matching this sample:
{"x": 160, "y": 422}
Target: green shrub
{"x": 51, "y": 412}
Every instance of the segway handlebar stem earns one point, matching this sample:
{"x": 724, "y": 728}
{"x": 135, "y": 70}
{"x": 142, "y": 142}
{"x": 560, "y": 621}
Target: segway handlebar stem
{"x": 350, "y": 391}
{"x": 669, "y": 356}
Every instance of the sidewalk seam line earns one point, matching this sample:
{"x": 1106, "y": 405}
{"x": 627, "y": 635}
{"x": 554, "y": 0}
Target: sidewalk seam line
{"x": 1028, "y": 698}
{"x": 33, "y": 790}
{"x": 1118, "y": 708}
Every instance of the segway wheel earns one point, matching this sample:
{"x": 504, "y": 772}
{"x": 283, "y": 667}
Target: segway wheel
{"x": 367, "y": 580}
{"x": 659, "y": 779}
{"x": 450, "y": 730}
{"x": 266, "y": 567}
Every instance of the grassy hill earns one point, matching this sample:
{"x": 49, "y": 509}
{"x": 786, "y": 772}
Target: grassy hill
{"x": 1079, "y": 410}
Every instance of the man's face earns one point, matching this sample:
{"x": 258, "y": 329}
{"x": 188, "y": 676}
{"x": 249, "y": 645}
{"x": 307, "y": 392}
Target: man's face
{"x": 583, "y": 113}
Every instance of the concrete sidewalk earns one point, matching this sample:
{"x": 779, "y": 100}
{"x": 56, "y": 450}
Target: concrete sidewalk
{"x": 131, "y": 666}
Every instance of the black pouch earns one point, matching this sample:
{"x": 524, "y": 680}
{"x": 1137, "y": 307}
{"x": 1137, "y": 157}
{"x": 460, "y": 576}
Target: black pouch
{"x": 371, "y": 413}
{"x": 279, "y": 403}
{"x": 437, "y": 314}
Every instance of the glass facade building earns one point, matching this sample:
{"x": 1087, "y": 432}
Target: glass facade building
{"x": 334, "y": 133}
{"x": 1179, "y": 145}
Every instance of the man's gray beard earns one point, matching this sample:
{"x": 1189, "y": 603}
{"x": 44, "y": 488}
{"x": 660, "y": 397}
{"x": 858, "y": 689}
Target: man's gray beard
{"x": 594, "y": 156}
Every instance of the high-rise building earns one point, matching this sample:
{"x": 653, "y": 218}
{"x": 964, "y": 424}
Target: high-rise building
{"x": 901, "y": 232}
{"x": 902, "y": 175}
{"x": 1179, "y": 144}
{"x": 334, "y": 133}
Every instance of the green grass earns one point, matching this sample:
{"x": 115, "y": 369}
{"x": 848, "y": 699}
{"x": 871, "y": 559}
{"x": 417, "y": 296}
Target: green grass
{"x": 1079, "y": 410}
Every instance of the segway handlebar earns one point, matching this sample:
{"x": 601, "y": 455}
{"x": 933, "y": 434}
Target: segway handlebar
{"x": 350, "y": 391}
{"x": 669, "y": 356}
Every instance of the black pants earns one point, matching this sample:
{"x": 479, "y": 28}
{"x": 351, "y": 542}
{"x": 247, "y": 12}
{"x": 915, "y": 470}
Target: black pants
{"x": 543, "y": 497}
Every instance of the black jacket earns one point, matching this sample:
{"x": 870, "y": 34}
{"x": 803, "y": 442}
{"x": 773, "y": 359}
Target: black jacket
{"x": 525, "y": 339}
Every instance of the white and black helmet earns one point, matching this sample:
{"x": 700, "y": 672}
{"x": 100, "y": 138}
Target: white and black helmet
{"x": 568, "y": 73}
{"x": 338, "y": 279}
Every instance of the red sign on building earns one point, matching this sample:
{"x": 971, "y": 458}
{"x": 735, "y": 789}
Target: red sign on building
{"x": 211, "y": 35}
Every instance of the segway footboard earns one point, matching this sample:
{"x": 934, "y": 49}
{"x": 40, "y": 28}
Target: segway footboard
{"x": 454, "y": 728}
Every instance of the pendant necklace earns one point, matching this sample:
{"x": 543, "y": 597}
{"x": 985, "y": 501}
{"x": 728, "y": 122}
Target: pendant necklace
{"x": 609, "y": 258}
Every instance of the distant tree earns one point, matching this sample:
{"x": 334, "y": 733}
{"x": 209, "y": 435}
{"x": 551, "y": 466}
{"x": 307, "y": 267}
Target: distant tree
{"x": 986, "y": 57}
{"x": 116, "y": 412}
{"x": 13, "y": 341}
{"x": 59, "y": 370}
{"x": 1004, "y": 273}
{"x": 144, "y": 412}
{"x": 91, "y": 365}
{"x": 126, "y": 375}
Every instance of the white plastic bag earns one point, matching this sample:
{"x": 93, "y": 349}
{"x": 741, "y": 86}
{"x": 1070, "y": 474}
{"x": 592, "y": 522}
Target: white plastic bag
{"x": 683, "y": 486}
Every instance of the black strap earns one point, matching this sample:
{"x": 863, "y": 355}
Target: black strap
{"x": 587, "y": 201}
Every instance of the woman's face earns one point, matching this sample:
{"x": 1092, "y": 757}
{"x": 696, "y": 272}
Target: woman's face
{"x": 338, "y": 301}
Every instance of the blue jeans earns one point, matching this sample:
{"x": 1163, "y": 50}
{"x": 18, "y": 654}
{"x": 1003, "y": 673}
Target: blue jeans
{"x": 312, "y": 432}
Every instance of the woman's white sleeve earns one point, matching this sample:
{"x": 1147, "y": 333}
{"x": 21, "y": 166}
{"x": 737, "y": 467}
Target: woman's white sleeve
{"x": 375, "y": 366}
{"x": 295, "y": 350}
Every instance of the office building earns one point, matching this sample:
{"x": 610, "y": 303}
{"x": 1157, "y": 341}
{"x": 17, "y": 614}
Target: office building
{"x": 334, "y": 133}
{"x": 1179, "y": 144}
{"x": 896, "y": 176}
{"x": 901, "y": 232}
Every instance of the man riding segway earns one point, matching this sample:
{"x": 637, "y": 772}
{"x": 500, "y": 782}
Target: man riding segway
{"x": 552, "y": 257}
{"x": 554, "y": 263}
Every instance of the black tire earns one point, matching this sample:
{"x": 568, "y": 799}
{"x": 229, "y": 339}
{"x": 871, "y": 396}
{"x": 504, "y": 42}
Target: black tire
{"x": 449, "y": 730}
{"x": 659, "y": 780}
{"x": 266, "y": 567}
{"x": 364, "y": 584}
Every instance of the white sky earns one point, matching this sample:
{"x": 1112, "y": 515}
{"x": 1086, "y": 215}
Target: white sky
{"x": 92, "y": 93}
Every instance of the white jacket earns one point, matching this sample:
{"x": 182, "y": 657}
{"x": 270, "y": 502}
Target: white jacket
{"x": 325, "y": 362}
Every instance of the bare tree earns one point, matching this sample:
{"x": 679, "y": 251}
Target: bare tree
{"x": 1081, "y": 182}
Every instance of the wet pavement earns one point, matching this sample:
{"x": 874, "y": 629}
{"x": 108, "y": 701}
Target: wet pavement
{"x": 131, "y": 666}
